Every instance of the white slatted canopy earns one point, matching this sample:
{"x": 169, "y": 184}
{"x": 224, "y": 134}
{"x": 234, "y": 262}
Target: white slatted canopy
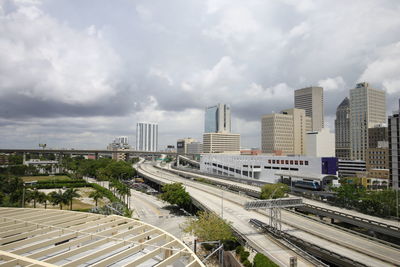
{"x": 45, "y": 237}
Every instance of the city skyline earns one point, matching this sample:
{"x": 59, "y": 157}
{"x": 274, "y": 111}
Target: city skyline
{"x": 83, "y": 78}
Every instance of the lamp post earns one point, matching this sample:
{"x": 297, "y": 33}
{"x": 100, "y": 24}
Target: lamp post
{"x": 222, "y": 203}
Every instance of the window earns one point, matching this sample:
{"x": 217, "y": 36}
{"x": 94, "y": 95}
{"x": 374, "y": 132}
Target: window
{"x": 301, "y": 162}
{"x": 273, "y": 161}
{"x": 245, "y": 166}
{"x": 275, "y": 168}
{"x": 269, "y": 161}
{"x": 306, "y": 162}
{"x": 267, "y": 167}
{"x": 286, "y": 161}
{"x": 296, "y": 162}
{"x": 291, "y": 162}
{"x": 294, "y": 169}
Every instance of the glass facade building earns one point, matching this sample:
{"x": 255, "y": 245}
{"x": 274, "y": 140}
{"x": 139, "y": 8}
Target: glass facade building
{"x": 217, "y": 119}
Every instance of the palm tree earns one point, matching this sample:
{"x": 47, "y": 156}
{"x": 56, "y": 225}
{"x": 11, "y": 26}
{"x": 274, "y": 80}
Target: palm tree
{"x": 42, "y": 199}
{"x": 58, "y": 198}
{"x": 70, "y": 194}
{"x": 34, "y": 195}
{"x": 96, "y": 195}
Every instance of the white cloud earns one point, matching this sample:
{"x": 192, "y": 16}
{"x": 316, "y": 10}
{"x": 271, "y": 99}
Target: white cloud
{"x": 44, "y": 59}
{"x": 333, "y": 84}
{"x": 385, "y": 69}
{"x": 166, "y": 60}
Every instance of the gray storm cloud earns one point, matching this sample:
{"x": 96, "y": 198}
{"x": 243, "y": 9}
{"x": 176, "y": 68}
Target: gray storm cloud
{"x": 109, "y": 66}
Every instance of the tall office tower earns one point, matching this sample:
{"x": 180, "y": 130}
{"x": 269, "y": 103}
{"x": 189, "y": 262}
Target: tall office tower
{"x": 218, "y": 119}
{"x": 311, "y": 99}
{"x": 367, "y": 108}
{"x": 285, "y": 132}
{"x": 394, "y": 148}
{"x": 342, "y": 130}
{"x": 146, "y": 136}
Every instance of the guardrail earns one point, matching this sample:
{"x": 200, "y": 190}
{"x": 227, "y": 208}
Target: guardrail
{"x": 379, "y": 227}
{"x": 321, "y": 252}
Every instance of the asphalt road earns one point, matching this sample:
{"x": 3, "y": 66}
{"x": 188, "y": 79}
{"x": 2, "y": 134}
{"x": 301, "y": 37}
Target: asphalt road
{"x": 363, "y": 250}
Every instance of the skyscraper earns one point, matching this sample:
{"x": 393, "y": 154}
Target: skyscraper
{"x": 367, "y": 108}
{"x": 311, "y": 99}
{"x": 217, "y": 119}
{"x": 146, "y": 136}
{"x": 394, "y": 148}
{"x": 342, "y": 130}
{"x": 285, "y": 132}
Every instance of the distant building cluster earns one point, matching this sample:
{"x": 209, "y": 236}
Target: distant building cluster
{"x": 364, "y": 145}
{"x": 119, "y": 144}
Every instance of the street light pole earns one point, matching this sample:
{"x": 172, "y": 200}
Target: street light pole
{"x": 222, "y": 203}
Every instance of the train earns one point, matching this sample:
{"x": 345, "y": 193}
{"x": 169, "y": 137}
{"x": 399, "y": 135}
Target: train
{"x": 312, "y": 185}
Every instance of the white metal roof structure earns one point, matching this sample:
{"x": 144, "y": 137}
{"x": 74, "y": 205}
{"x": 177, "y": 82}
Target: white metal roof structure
{"x": 40, "y": 237}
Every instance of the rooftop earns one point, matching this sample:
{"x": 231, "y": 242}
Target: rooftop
{"x": 40, "y": 237}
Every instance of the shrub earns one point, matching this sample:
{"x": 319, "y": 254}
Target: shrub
{"x": 247, "y": 263}
{"x": 244, "y": 255}
{"x": 239, "y": 249}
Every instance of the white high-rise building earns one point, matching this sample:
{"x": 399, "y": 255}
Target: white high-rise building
{"x": 146, "y": 136}
{"x": 367, "y": 108}
{"x": 320, "y": 144}
{"x": 217, "y": 119}
{"x": 311, "y": 99}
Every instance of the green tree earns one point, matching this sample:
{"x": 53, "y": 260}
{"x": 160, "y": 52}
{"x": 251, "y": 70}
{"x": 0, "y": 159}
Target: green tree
{"x": 70, "y": 194}
{"x": 15, "y": 159}
{"x": 42, "y": 199}
{"x": 96, "y": 195}
{"x": 278, "y": 190}
{"x": 58, "y": 198}
{"x": 209, "y": 227}
{"x": 34, "y": 195}
{"x": 176, "y": 194}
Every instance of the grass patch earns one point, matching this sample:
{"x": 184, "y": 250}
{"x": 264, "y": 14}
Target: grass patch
{"x": 44, "y": 178}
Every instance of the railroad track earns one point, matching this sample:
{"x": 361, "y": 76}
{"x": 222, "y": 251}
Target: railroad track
{"x": 292, "y": 225}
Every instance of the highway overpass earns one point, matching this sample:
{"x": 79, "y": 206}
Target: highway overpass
{"x": 353, "y": 250}
{"x": 372, "y": 223}
{"x": 87, "y": 151}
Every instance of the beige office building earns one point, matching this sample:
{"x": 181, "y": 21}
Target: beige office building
{"x": 285, "y": 132}
{"x": 367, "y": 108}
{"x": 182, "y": 145}
{"x": 221, "y": 143}
{"x": 311, "y": 99}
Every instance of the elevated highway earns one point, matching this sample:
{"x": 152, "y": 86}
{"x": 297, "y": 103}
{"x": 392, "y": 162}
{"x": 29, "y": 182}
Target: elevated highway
{"x": 376, "y": 224}
{"x": 87, "y": 151}
{"x": 353, "y": 250}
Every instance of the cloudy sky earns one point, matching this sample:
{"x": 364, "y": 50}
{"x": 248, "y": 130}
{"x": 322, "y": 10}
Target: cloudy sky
{"x": 76, "y": 74}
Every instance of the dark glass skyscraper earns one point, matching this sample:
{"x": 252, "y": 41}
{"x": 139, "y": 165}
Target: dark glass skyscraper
{"x": 342, "y": 130}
